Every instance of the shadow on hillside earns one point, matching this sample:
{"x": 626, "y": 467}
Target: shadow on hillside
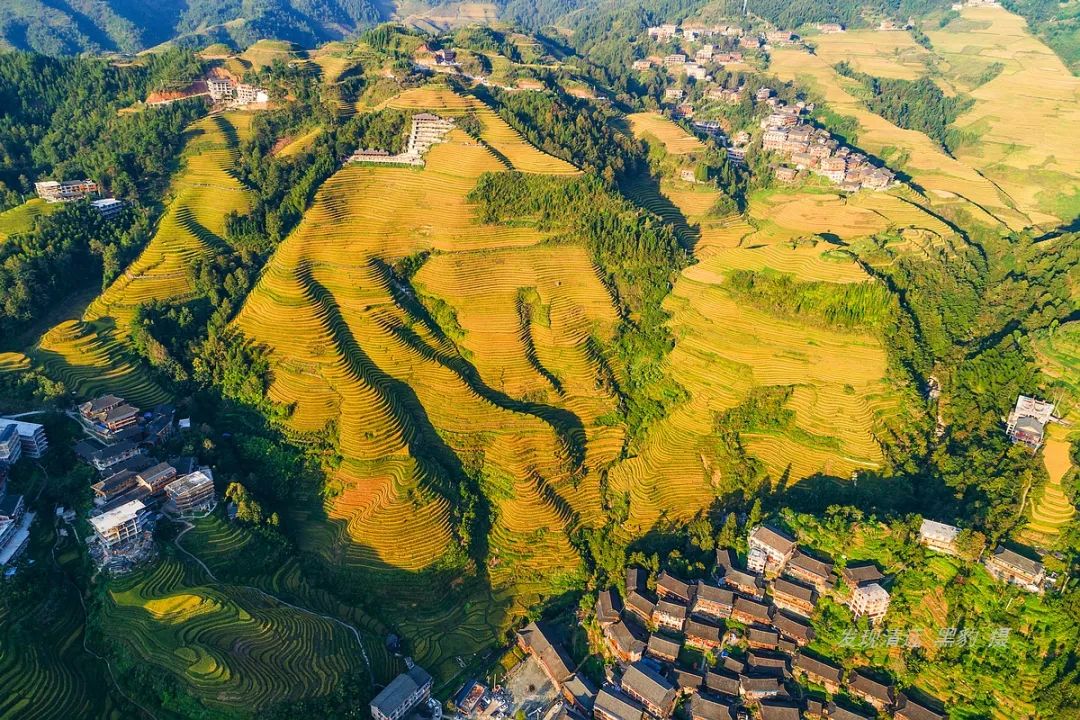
{"x": 644, "y": 190}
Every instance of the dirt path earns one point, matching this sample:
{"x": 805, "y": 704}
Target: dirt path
{"x": 356, "y": 633}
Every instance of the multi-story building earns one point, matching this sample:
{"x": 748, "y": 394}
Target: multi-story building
{"x": 939, "y": 536}
{"x": 819, "y": 672}
{"x": 640, "y": 606}
{"x": 862, "y": 574}
{"x": 535, "y": 639}
{"x": 908, "y": 709}
{"x": 866, "y": 688}
{"x": 613, "y": 705}
{"x": 703, "y": 635}
{"x": 404, "y": 693}
{"x": 108, "y": 208}
{"x": 1027, "y": 421}
{"x": 156, "y": 477}
{"x": 712, "y": 602}
{"x": 32, "y": 435}
{"x": 799, "y": 632}
{"x": 52, "y": 191}
{"x": 810, "y": 570}
{"x": 723, "y": 682}
{"x": 703, "y": 708}
{"x": 608, "y": 607}
{"x": 650, "y": 688}
{"x": 762, "y": 638}
{"x": 663, "y": 648}
{"x": 249, "y": 94}
{"x": 108, "y": 456}
{"x": 744, "y": 582}
{"x": 750, "y": 611}
{"x": 219, "y": 88}
{"x": 1014, "y": 568}
{"x": 14, "y": 526}
{"x": 759, "y": 688}
{"x": 191, "y": 494}
{"x": 624, "y": 641}
{"x": 120, "y": 525}
{"x": 669, "y": 586}
{"x": 770, "y": 550}
{"x": 870, "y": 601}
{"x": 109, "y": 413}
{"x": 670, "y": 615}
{"x": 10, "y": 445}
{"x": 789, "y": 595}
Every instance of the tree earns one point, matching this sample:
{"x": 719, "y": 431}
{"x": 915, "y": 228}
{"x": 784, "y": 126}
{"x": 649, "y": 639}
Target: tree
{"x": 755, "y": 514}
{"x": 970, "y": 544}
{"x": 700, "y": 533}
{"x": 728, "y": 537}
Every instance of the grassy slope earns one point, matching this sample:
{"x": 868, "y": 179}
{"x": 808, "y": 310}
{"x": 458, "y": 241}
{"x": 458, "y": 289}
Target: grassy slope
{"x": 352, "y": 347}
{"x": 21, "y": 218}
{"x": 723, "y": 348}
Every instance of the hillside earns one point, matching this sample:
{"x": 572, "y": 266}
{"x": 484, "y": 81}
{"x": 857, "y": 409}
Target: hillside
{"x": 460, "y": 342}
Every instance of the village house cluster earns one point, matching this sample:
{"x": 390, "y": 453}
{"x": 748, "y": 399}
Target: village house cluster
{"x": 763, "y": 609}
{"x": 62, "y": 191}
{"x": 1003, "y": 564}
{"x": 427, "y": 130}
{"x": 815, "y": 150}
{"x": 18, "y": 440}
{"x": 133, "y": 487}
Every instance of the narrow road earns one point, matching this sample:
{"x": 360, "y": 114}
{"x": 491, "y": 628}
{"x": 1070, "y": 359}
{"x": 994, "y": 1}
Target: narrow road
{"x": 356, "y": 633}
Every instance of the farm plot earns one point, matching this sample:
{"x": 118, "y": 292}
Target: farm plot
{"x": 1025, "y": 118}
{"x": 725, "y": 348}
{"x": 202, "y": 193}
{"x": 947, "y": 180}
{"x": 21, "y": 218}
{"x": 675, "y": 139}
{"x": 388, "y": 363}
{"x": 893, "y": 54}
{"x": 229, "y": 646}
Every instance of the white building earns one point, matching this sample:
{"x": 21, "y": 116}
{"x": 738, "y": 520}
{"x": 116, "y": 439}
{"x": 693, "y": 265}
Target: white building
{"x": 939, "y": 536}
{"x": 249, "y": 94}
{"x": 192, "y": 494}
{"x": 108, "y": 207}
{"x": 121, "y": 524}
{"x": 871, "y": 601}
{"x": 52, "y": 191}
{"x": 769, "y": 550}
{"x": 34, "y": 440}
{"x": 220, "y": 88}
{"x": 10, "y": 445}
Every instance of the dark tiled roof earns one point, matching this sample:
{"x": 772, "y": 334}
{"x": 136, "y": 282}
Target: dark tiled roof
{"x": 869, "y": 686}
{"x": 809, "y": 564}
{"x": 537, "y": 639}
{"x": 711, "y": 593}
{"x": 608, "y": 606}
{"x": 614, "y": 703}
{"x": 671, "y": 608}
{"x": 764, "y": 636}
{"x": 758, "y": 611}
{"x": 838, "y": 713}
{"x": 779, "y": 711}
{"x": 705, "y": 708}
{"x": 761, "y": 663}
{"x": 687, "y": 679}
{"x": 635, "y": 579}
{"x": 625, "y": 638}
{"x": 640, "y": 603}
{"x": 649, "y": 684}
{"x": 722, "y": 682}
{"x": 792, "y": 628}
{"x": 702, "y": 630}
{"x": 738, "y": 578}
{"x": 1016, "y": 560}
{"x": 793, "y": 589}
{"x": 862, "y": 574}
{"x": 582, "y": 690}
{"x": 908, "y": 709}
{"x": 819, "y": 669}
{"x": 734, "y": 664}
{"x": 725, "y": 559}
{"x": 759, "y": 684}
{"x": 660, "y": 645}
{"x": 777, "y": 540}
{"x": 666, "y": 583}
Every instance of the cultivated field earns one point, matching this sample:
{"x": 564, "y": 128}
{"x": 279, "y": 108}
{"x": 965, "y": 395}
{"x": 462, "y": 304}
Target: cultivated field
{"x": 1025, "y": 119}
{"x": 892, "y": 54}
{"x": 948, "y": 181}
{"x": 21, "y": 218}
{"x": 674, "y": 138}
{"x": 193, "y": 225}
{"x": 228, "y": 645}
{"x": 724, "y": 347}
{"x": 391, "y": 365}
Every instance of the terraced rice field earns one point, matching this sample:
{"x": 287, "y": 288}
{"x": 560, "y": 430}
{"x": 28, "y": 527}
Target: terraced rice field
{"x": 299, "y": 145}
{"x": 202, "y": 193}
{"x": 724, "y": 348}
{"x": 1025, "y": 118}
{"x": 229, "y": 646}
{"x": 91, "y": 359}
{"x": 21, "y": 218}
{"x": 500, "y": 137}
{"x": 389, "y": 364}
{"x": 948, "y": 181}
{"x": 890, "y": 54}
{"x": 675, "y": 139}
{"x": 264, "y": 52}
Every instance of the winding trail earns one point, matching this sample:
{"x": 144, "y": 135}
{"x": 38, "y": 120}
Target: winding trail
{"x": 356, "y": 633}
{"x": 85, "y": 646}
